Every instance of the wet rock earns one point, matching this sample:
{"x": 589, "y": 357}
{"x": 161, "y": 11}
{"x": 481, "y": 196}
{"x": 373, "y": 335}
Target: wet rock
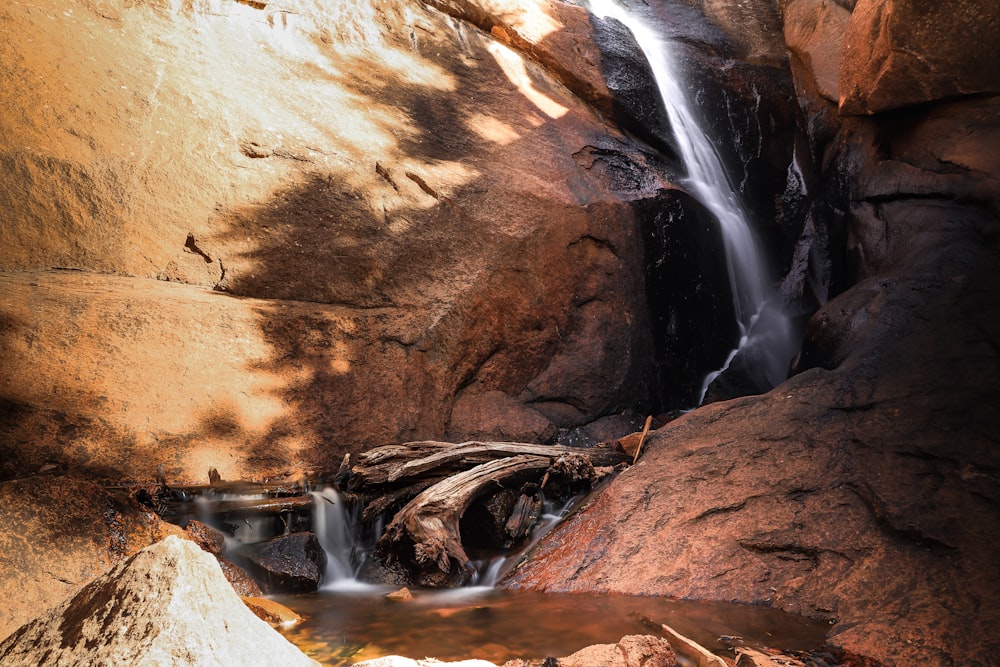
{"x": 210, "y": 539}
{"x": 59, "y": 533}
{"x": 273, "y": 613}
{"x": 289, "y": 564}
{"x": 166, "y": 605}
{"x": 900, "y": 53}
{"x": 402, "y": 595}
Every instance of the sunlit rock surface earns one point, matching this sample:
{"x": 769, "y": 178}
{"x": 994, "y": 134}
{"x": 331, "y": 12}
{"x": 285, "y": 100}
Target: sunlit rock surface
{"x": 56, "y": 535}
{"x": 390, "y": 205}
{"x": 168, "y": 605}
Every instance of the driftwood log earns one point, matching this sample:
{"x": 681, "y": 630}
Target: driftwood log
{"x": 434, "y": 484}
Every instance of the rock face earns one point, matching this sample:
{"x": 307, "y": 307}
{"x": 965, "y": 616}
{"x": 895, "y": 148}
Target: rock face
{"x": 861, "y": 490}
{"x": 264, "y": 280}
{"x": 167, "y": 605}
{"x": 904, "y": 52}
{"x": 57, "y": 534}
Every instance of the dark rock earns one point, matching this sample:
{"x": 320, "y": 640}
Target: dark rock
{"x": 289, "y": 564}
{"x": 863, "y": 494}
{"x": 210, "y": 539}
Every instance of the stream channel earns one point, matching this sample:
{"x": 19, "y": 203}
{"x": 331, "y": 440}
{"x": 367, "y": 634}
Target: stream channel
{"x": 349, "y": 620}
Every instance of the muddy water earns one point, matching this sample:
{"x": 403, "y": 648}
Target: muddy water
{"x": 344, "y": 627}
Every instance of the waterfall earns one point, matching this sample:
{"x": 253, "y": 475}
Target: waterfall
{"x": 765, "y": 332}
{"x": 337, "y": 531}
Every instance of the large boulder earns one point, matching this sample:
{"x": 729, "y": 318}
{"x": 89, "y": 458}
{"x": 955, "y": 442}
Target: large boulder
{"x": 861, "y": 491}
{"x": 898, "y": 53}
{"x": 263, "y": 280}
{"x": 56, "y": 535}
{"x": 168, "y": 605}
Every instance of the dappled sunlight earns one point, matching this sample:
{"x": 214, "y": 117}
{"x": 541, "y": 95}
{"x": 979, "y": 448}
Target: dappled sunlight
{"x": 513, "y": 65}
{"x": 492, "y": 129}
{"x": 530, "y": 18}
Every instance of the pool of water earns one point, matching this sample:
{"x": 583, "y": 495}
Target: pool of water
{"x": 345, "y": 627}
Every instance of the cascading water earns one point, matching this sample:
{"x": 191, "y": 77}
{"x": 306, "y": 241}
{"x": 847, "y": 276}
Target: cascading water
{"x": 338, "y": 534}
{"x": 489, "y": 573}
{"x": 765, "y": 332}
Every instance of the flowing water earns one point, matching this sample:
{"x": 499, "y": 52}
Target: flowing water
{"x": 766, "y": 337}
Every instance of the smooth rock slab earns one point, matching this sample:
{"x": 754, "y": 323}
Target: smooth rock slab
{"x": 167, "y": 605}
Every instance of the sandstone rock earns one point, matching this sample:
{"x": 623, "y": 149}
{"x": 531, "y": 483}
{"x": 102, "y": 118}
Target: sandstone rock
{"x": 399, "y": 661}
{"x": 902, "y": 52}
{"x": 288, "y": 564}
{"x": 166, "y": 605}
{"x": 814, "y": 32}
{"x": 438, "y": 256}
{"x": 493, "y": 415}
{"x": 861, "y": 494}
{"x": 631, "y": 651}
{"x": 273, "y": 613}
{"x": 59, "y": 533}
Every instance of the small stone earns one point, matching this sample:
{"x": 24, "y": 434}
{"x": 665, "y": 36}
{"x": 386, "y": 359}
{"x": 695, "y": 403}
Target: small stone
{"x": 402, "y": 595}
{"x": 273, "y": 613}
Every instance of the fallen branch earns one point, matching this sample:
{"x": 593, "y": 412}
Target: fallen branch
{"x": 429, "y": 524}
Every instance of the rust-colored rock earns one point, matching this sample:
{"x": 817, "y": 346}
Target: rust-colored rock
{"x": 631, "y": 651}
{"x": 59, "y": 533}
{"x": 864, "y": 494}
{"x": 273, "y": 613}
{"x": 898, "y": 53}
{"x": 372, "y": 248}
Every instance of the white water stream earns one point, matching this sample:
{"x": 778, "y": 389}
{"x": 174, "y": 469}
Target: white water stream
{"x": 765, "y": 331}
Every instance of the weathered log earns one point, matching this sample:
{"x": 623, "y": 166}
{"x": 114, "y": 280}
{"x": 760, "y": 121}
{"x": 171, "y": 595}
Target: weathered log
{"x": 394, "y": 463}
{"x": 429, "y": 524}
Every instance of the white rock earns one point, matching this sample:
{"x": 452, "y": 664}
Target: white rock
{"x": 168, "y": 605}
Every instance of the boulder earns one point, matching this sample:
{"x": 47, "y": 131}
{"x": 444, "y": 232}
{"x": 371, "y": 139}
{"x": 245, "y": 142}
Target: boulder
{"x": 289, "y": 563}
{"x": 59, "y": 533}
{"x": 814, "y": 31}
{"x": 899, "y": 53}
{"x": 167, "y": 605}
{"x": 860, "y": 491}
{"x": 631, "y": 651}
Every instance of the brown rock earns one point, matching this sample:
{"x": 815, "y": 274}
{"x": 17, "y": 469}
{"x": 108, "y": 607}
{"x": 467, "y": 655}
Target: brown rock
{"x": 631, "y": 651}
{"x": 59, "y": 533}
{"x": 863, "y": 494}
{"x": 210, "y": 539}
{"x": 273, "y": 613}
{"x": 241, "y": 581}
{"x": 438, "y": 255}
{"x": 814, "y": 32}
{"x": 402, "y": 595}
{"x": 166, "y": 605}
{"x": 898, "y": 53}
{"x": 493, "y": 415}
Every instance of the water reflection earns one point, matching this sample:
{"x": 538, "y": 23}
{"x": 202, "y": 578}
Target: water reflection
{"x": 344, "y": 627}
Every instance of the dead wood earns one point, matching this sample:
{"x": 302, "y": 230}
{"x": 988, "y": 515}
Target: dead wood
{"x": 429, "y": 524}
{"x": 394, "y": 464}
